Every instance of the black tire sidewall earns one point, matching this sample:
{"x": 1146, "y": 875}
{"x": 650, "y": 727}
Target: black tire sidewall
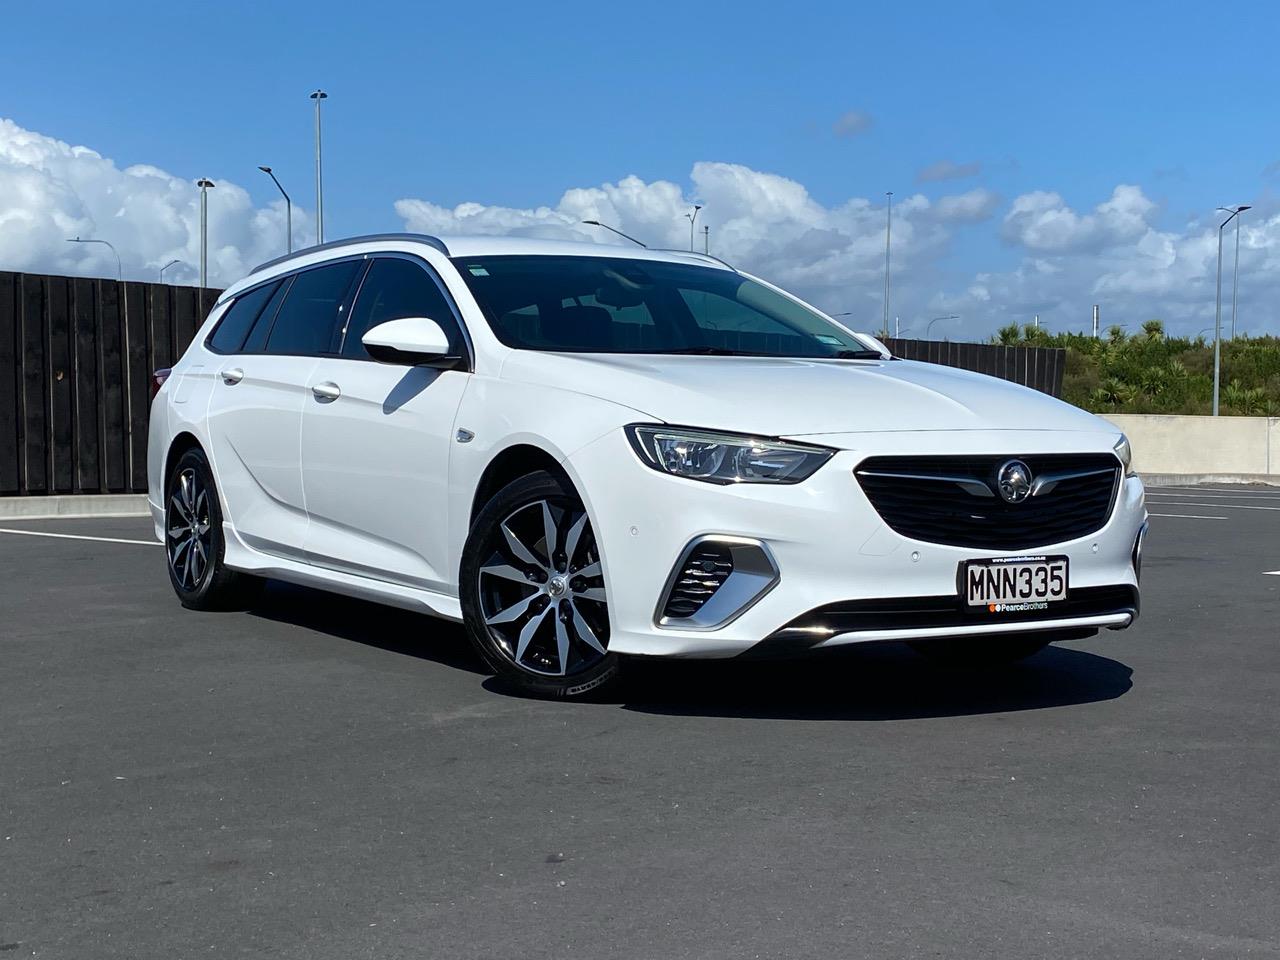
{"x": 541, "y": 485}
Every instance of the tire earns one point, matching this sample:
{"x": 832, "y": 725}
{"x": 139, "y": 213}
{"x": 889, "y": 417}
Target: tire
{"x": 977, "y": 652}
{"x": 535, "y": 610}
{"x": 194, "y": 544}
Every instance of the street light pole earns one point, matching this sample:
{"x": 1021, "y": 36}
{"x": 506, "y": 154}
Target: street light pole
{"x": 951, "y": 316}
{"x": 166, "y": 267}
{"x": 692, "y": 218}
{"x": 888, "y": 232}
{"x": 288, "y": 211}
{"x": 107, "y": 244}
{"x": 204, "y": 183}
{"x": 1217, "y": 308}
{"x": 317, "y": 97}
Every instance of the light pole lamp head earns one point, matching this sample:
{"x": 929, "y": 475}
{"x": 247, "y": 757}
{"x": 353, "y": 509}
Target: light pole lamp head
{"x": 319, "y": 95}
{"x": 204, "y": 183}
{"x": 265, "y": 169}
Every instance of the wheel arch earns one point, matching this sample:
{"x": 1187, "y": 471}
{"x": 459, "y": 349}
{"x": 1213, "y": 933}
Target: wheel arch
{"x": 180, "y": 444}
{"x": 510, "y": 464}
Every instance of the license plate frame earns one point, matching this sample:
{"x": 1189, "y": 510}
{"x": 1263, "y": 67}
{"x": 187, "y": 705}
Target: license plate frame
{"x": 1001, "y": 590}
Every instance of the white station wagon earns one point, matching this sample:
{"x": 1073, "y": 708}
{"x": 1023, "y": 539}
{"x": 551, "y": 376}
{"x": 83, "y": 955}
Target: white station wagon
{"x": 585, "y": 452}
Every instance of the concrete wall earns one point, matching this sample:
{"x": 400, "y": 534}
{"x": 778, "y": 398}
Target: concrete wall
{"x": 1202, "y": 446}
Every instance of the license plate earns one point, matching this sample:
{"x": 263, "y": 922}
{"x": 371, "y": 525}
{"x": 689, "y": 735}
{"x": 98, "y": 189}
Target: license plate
{"x": 1014, "y": 584}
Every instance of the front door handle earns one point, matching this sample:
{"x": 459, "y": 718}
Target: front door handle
{"x": 233, "y": 376}
{"x": 326, "y": 392}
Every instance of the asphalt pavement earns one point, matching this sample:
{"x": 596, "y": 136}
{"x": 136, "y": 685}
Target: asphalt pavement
{"x": 321, "y": 777}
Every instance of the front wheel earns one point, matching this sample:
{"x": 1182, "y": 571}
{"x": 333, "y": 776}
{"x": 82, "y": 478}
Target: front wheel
{"x": 533, "y": 593}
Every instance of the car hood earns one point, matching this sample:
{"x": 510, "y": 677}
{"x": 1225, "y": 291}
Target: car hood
{"x": 781, "y": 396}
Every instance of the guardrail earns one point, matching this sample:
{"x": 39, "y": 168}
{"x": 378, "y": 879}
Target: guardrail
{"x": 76, "y": 357}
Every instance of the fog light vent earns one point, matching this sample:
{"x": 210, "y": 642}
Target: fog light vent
{"x": 704, "y": 572}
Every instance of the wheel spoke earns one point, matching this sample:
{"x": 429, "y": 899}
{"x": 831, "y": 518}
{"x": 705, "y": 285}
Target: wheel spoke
{"x": 513, "y": 612}
{"x": 186, "y": 567}
{"x": 590, "y": 570}
{"x": 506, "y": 572}
{"x": 184, "y": 486}
{"x": 177, "y": 552}
{"x": 526, "y": 635}
{"x": 584, "y": 631}
{"x": 549, "y": 533}
{"x": 182, "y": 511}
{"x": 571, "y": 542}
{"x": 562, "y": 644}
{"x": 197, "y": 567}
{"x": 522, "y": 552}
{"x": 176, "y": 532}
{"x": 591, "y": 593}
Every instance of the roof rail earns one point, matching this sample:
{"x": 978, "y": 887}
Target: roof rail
{"x": 349, "y": 241}
{"x": 697, "y": 253}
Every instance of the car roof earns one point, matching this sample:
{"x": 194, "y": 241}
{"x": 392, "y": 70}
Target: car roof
{"x": 464, "y": 246}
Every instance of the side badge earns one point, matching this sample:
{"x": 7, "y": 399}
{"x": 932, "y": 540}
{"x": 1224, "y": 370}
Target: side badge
{"x": 464, "y": 436}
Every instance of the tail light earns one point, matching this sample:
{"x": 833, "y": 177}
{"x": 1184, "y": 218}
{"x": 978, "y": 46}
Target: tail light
{"x": 157, "y": 380}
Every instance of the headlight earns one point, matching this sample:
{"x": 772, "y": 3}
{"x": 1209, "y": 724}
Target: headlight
{"x": 1125, "y": 453}
{"x": 724, "y": 457}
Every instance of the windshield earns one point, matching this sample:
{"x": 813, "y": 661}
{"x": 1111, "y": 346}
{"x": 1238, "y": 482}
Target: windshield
{"x": 613, "y": 305}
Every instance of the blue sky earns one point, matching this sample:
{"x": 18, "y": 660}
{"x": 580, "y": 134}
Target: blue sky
{"x": 513, "y": 104}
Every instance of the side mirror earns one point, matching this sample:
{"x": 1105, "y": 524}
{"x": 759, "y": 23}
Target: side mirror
{"x": 413, "y": 341}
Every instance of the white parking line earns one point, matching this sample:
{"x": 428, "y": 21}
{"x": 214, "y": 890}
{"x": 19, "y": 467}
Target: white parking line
{"x": 76, "y": 536}
{"x": 1185, "y": 516}
{"x": 1271, "y": 573}
{"x": 1215, "y": 494}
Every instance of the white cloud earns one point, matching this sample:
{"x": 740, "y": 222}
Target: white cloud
{"x": 1117, "y": 257}
{"x": 51, "y": 191}
{"x": 763, "y": 222}
{"x": 947, "y": 170}
{"x": 973, "y": 206}
{"x": 1043, "y": 221}
{"x": 1119, "y": 253}
{"x": 852, "y": 123}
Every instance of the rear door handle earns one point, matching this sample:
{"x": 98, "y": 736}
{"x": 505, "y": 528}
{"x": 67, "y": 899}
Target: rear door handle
{"x": 233, "y": 376}
{"x": 326, "y": 392}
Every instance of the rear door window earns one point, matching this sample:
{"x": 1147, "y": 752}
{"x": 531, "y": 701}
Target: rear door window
{"x": 233, "y": 328}
{"x": 305, "y": 323}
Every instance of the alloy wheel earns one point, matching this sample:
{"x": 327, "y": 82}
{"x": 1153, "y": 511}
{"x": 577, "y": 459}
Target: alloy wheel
{"x": 542, "y": 590}
{"x": 189, "y": 538}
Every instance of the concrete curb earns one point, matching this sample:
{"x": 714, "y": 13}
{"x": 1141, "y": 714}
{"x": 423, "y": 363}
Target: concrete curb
{"x": 71, "y": 507}
{"x": 1188, "y": 479}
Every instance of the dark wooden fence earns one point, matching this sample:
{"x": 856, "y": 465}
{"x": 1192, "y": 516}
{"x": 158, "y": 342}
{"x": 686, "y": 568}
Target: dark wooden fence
{"x": 1038, "y": 367}
{"x": 76, "y": 357}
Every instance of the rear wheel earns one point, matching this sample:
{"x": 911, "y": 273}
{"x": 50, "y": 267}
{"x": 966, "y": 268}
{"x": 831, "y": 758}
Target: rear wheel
{"x": 194, "y": 545}
{"x": 532, "y": 590}
{"x": 976, "y": 653}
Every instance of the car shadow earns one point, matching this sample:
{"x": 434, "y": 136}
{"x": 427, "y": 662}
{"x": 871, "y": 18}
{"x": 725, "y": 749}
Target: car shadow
{"x": 372, "y": 624}
{"x": 880, "y": 682}
{"x": 872, "y": 682}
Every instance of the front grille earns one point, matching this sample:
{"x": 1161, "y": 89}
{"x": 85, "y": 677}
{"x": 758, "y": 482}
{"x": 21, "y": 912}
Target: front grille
{"x": 703, "y": 573}
{"x": 920, "y": 498}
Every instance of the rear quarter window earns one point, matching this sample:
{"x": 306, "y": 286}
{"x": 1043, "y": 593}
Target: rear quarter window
{"x": 232, "y": 330}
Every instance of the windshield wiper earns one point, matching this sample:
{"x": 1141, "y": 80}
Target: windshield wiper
{"x": 714, "y": 352}
{"x": 858, "y": 355}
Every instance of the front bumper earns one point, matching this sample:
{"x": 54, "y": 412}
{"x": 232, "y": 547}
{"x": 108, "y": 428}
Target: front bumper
{"x": 830, "y": 546}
